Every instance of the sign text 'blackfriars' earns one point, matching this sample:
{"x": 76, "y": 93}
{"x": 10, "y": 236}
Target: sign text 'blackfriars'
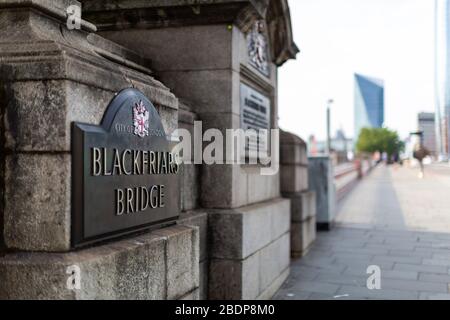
{"x": 124, "y": 174}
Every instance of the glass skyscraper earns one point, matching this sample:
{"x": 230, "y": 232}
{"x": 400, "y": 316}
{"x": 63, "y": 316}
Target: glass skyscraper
{"x": 442, "y": 77}
{"x": 369, "y": 103}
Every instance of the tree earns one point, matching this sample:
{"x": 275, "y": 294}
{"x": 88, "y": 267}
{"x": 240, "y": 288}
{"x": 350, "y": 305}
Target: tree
{"x": 379, "y": 139}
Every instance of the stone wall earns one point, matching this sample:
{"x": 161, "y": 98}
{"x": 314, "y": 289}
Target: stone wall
{"x": 232, "y": 240}
{"x": 346, "y": 175}
{"x": 50, "y": 77}
{"x": 191, "y": 213}
{"x": 249, "y": 250}
{"x": 294, "y": 186}
{"x": 157, "y": 265}
{"x": 204, "y": 59}
{"x": 45, "y": 88}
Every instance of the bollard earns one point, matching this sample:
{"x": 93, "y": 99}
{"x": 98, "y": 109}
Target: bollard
{"x": 321, "y": 181}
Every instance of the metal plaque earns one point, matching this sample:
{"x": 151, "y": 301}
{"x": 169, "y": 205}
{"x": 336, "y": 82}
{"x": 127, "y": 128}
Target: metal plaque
{"x": 255, "y": 115}
{"x": 125, "y": 177}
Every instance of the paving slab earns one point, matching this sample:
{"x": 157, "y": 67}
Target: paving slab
{"x": 403, "y": 228}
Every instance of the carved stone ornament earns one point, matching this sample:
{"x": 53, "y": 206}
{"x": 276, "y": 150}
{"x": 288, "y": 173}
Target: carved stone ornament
{"x": 258, "y": 47}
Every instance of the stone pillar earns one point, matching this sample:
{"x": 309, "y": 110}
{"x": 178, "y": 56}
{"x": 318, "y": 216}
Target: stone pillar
{"x": 321, "y": 180}
{"x": 191, "y": 214}
{"x": 294, "y": 186}
{"x": 49, "y": 77}
{"x": 201, "y": 53}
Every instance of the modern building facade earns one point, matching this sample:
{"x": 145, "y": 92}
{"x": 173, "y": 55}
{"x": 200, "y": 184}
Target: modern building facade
{"x": 426, "y": 124}
{"x": 442, "y": 77}
{"x": 369, "y": 103}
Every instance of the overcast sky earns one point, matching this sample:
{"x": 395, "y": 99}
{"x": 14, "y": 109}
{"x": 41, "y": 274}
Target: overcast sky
{"x": 392, "y": 40}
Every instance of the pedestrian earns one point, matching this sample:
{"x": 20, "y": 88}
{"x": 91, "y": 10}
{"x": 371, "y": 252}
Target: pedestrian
{"x": 420, "y": 152}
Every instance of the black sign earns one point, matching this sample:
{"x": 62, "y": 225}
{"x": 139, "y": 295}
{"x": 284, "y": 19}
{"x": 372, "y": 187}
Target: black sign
{"x": 125, "y": 177}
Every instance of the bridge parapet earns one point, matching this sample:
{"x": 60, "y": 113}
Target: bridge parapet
{"x": 294, "y": 186}
{"x": 346, "y": 175}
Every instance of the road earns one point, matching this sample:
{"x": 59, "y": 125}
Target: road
{"x": 393, "y": 220}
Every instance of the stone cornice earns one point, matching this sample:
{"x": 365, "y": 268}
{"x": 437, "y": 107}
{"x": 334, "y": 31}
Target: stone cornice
{"x": 47, "y": 51}
{"x": 56, "y": 9}
{"x": 65, "y": 63}
{"x": 140, "y": 14}
{"x": 111, "y": 14}
{"x": 278, "y": 19}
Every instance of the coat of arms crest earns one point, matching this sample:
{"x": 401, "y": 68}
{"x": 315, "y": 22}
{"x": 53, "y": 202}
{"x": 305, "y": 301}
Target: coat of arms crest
{"x": 140, "y": 119}
{"x": 257, "y": 47}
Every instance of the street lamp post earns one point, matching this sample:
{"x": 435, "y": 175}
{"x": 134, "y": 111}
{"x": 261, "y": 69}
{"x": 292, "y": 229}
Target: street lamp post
{"x": 329, "y": 102}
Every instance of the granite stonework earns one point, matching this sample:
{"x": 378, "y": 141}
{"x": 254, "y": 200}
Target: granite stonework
{"x": 257, "y": 277}
{"x": 42, "y": 222}
{"x": 246, "y": 216}
{"x": 210, "y": 76}
{"x": 233, "y": 236}
{"x": 157, "y": 265}
{"x": 294, "y": 186}
{"x": 199, "y": 219}
{"x": 190, "y": 172}
{"x": 245, "y": 245}
{"x": 239, "y": 233}
{"x": 303, "y": 223}
{"x": 191, "y": 214}
{"x": 50, "y": 77}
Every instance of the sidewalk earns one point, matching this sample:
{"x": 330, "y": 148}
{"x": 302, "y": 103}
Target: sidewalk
{"x": 393, "y": 220}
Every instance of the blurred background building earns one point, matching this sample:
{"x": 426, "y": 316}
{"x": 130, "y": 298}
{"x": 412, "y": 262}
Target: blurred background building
{"x": 442, "y": 77}
{"x": 369, "y": 103}
{"x": 426, "y": 124}
{"x": 341, "y": 147}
